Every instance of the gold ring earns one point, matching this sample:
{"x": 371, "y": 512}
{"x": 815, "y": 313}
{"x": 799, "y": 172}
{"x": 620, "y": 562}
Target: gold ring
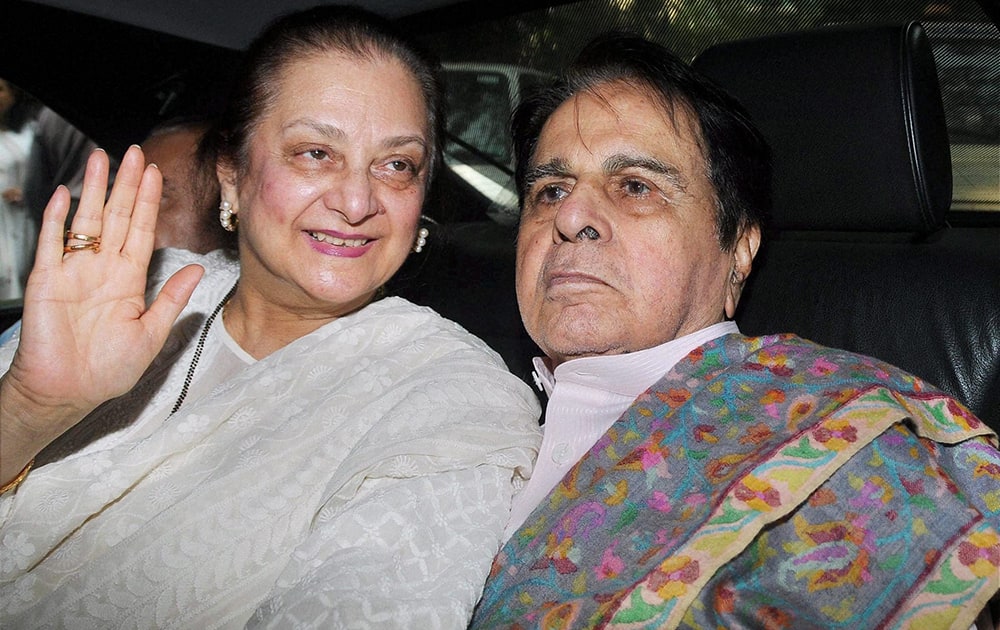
{"x": 68, "y": 249}
{"x": 82, "y": 237}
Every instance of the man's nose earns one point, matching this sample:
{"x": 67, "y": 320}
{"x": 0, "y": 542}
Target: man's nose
{"x": 582, "y": 216}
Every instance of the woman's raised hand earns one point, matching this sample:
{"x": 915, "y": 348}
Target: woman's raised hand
{"x": 86, "y": 333}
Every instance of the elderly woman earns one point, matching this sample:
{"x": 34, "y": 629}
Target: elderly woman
{"x": 286, "y": 448}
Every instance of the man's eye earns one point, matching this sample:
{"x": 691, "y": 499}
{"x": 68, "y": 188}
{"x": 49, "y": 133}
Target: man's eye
{"x": 401, "y": 166}
{"x": 550, "y": 194}
{"x": 317, "y": 154}
{"x": 636, "y": 187}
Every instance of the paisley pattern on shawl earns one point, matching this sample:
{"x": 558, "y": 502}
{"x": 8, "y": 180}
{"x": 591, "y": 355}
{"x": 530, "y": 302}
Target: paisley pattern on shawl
{"x": 765, "y": 482}
{"x": 362, "y": 472}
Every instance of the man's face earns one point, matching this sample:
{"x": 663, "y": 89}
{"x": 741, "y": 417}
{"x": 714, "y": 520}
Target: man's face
{"x": 618, "y": 249}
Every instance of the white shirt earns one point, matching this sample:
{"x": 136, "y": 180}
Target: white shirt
{"x": 587, "y": 396}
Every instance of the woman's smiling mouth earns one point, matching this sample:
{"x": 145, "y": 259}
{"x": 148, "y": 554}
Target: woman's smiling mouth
{"x": 322, "y": 237}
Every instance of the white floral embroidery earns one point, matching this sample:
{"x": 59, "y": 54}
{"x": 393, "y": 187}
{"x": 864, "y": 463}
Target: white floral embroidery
{"x": 53, "y": 501}
{"x": 319, "y": 373}
{"x": 373, "y": 378}
{"x": 22, "y": 594}
{"x": 95, "y": 466}
{"x": 402, "y": 467}
{"x": 110, "y": 485}
{"x": 250, "y": 458}
{"x": 249, "y": 442}
{"x": 163, "y": 495}
{"x": 193, "y": 424}
{"x": 389, "y": 335}
{"x": 163, "y": 471}
{"x": 244, "y": 417}
{"x": 334, "y": 417}
{"x": 16, "y": 550}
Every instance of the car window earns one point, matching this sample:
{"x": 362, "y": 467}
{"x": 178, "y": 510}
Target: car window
{"x": 480, "y": 99}
{"x": 968, "y": 60}
{"x": 485, "y": 58}
{"x": 476, "y": 95}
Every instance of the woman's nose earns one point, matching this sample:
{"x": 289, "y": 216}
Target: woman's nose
{"x": 352, "y": 195}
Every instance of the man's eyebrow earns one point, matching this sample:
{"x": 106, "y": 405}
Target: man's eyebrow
{"x": 556, "y": 167}
{"x": 623, "y": 161}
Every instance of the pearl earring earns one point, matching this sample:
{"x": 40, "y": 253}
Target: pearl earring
{"x": 422, "y": 235}
{"x": 227, "y": 217}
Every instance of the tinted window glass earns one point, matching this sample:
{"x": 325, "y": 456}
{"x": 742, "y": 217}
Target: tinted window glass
{"x": 965, "y": 43}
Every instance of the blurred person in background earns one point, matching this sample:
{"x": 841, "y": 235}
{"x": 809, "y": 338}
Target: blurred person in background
{"x": 189, "y": 215}
{"x": 58, "y": 156}
{"x": 17, "y": 228}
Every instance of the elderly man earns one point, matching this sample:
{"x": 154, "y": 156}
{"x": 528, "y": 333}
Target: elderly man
{"x": 691, "y": 476}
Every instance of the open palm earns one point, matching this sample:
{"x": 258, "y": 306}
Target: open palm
{"x": 87, "y": 334}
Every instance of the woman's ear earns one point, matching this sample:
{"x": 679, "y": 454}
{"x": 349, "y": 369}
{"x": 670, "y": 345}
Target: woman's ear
{"x": 743, "y": 254}
{"x": 228, "y": 190}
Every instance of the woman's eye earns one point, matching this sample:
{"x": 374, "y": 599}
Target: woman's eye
{"x": 397, "y": 172}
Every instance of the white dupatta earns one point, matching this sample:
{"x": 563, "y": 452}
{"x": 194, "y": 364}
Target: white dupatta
{"x": 359, "y": 476}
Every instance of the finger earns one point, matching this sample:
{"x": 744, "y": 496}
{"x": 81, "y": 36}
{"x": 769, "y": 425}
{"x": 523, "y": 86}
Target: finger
{"x": 167, "y": 306}
{"x": 88, "y": 218}
{"x": 49, "y": 252}
{"x": 142, "y": 228}
{"x": 118, "y": 210}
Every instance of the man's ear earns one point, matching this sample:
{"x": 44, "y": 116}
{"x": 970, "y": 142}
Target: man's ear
{"x": 743, "y": 254}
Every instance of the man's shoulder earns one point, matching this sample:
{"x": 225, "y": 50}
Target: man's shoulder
{"x": 793, "y": 360}
{"x": 789, "y": 382}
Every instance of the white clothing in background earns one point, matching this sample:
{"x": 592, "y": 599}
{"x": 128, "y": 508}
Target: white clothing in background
{"x": 18, "y": 231}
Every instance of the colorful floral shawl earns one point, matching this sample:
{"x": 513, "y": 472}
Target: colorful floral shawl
{"x": 766, "y": 483}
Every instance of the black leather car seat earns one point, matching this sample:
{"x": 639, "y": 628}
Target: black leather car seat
{"x": 858, "y": 254}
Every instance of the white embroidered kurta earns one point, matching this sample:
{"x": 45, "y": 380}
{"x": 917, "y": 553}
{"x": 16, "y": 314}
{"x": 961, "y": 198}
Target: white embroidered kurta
{"x": 360, "y": 477}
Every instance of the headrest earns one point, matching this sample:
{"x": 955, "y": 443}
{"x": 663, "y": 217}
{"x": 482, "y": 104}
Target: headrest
{"x": 856, "y": 123}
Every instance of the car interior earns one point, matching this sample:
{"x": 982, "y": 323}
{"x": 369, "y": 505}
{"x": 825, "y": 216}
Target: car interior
{"x": 884, "y": 120}
{"x": 860, "y": 255}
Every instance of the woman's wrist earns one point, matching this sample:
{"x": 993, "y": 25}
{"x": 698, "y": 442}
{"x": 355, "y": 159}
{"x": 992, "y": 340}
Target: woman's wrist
{"x": 16, "y": 481}
{"x": 25, "y": 429}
